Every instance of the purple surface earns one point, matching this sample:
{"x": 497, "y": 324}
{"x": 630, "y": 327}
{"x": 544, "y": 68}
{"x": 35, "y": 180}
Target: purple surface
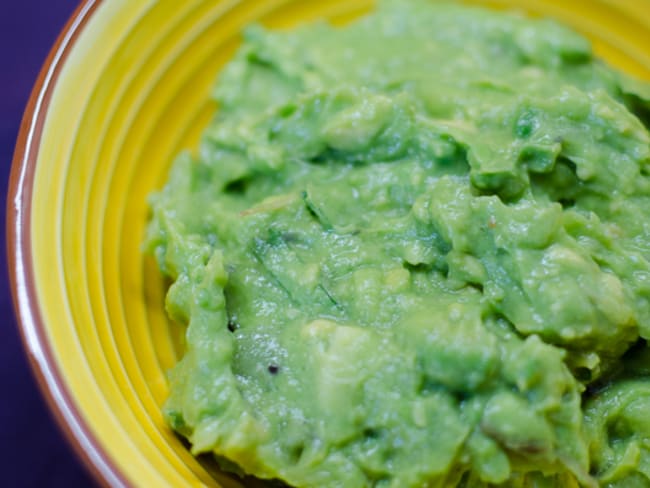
{"x": 33, "y": 451}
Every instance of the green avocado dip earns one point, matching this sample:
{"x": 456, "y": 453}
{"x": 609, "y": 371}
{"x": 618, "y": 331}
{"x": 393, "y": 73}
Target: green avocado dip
{"x": 415, "y": 252}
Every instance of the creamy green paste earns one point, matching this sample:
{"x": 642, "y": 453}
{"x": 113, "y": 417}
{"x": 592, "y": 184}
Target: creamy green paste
{"x": 415, "y": 252}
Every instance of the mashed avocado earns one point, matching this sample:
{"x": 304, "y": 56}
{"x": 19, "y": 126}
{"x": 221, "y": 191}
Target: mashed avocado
{"x": 415, "y": 251}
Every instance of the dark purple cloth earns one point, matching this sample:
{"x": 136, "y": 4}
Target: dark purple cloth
{"x": 33, "y": 451}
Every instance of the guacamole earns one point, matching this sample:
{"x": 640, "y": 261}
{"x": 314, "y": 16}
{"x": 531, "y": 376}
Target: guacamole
{"x": 415, "y": 251}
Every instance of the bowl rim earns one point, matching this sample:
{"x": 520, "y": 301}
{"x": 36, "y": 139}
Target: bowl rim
{"x": 31, "y": 323}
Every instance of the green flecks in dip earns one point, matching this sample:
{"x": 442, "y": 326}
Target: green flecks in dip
{"x": 415, "y": 251}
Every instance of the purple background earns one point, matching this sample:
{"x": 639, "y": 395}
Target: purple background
{"x": 33, "y": 451}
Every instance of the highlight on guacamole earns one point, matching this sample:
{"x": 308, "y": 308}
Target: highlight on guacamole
{"x": 414, "y": 251}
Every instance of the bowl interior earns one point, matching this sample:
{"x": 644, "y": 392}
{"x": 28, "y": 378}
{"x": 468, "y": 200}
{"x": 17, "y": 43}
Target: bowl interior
{"x": 134, "y": 92}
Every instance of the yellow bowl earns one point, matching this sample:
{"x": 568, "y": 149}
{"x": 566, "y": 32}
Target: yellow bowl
{"x": 123, "y": 91}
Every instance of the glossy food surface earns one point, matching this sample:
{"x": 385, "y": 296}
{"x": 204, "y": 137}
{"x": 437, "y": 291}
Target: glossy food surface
{"x": 124, "y": 92}
{"x": 408, "y": 251}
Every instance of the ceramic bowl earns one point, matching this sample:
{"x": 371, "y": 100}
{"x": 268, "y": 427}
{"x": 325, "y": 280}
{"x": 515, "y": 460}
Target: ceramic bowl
{"x": 125, "y": 89}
